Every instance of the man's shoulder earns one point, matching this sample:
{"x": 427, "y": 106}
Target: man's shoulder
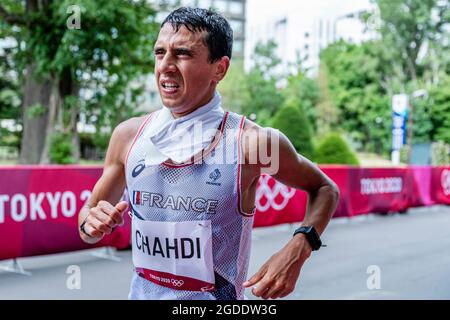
{"x": 127, "y": 130}
{"x": 122, "y": 138}
{"x": 255, "y": 138}
{"x": 253, "y": 131}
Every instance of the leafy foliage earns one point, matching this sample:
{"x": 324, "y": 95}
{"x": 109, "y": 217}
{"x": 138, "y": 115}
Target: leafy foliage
{"x": 294, "y": 123}
{"x": 408, "y": 26}
{"x": 264, "y": 98}
{"x": 440, "y": 153}
{"x": 61, "y": 149}
{"x": 362, "y": 78}
{"x": 234, "y": 88}
{"x": 99, "y": 68}
{"x": 334, "y": 150}
{"x": 355, "y": 78}
{"x": 305, "y": 91}
{"x": 440, "y": 111}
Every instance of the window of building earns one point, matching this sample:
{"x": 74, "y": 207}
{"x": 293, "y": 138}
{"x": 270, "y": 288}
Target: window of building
{"x": 206, "y": 4}
{"x": 221, "y": 5}
{"x": 237, "y": 26}
{"x": 190, "y": 3}
{"x": 236, "y": 7}
{"x": 238, "y": 46}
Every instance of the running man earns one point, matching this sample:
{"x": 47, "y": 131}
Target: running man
{"x": 191, "y": 215}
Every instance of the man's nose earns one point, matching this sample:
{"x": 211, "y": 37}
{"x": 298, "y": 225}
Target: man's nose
{"x": 166, "y": 64}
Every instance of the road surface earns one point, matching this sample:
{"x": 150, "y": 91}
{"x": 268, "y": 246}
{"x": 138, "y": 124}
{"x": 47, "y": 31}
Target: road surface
{"x": 400, "y": 256}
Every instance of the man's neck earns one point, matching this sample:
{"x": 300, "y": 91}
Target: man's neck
{"x": 177, "y": 115}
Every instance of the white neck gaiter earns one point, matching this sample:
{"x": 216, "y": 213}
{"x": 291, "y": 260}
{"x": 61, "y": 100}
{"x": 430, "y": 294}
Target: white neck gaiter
{"x": 179, "y": 139}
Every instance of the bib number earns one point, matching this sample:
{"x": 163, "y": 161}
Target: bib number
{"x": 177, "y": 255}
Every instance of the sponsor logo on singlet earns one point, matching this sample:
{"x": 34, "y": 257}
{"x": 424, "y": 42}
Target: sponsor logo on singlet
{"x": 213, "y": 177}
{"x": 138, "y": 169}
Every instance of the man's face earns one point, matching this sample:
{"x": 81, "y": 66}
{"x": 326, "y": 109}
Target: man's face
{"x": 186, "y": 79}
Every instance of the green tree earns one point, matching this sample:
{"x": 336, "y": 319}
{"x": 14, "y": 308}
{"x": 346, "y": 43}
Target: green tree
{"x": 440, "y": 111}
{"x": 422, "y": 121}
{"x": 72, "y": 65}
{"x": 234, "y": 88}
{"x": 407, "y": 27}
{"x": 10, "y": 95}
{"x": 61, "y": 149}
{"x": 306, "y": 91}
{"x": 415, "y": 42}
{"x": 334, "y": 150}
{"x": 327, "y": 114}
{"x": 9, "y": 88}
{"x": 411, "y": 54}
{"x": 265, "y": 59}
{"x": 355, "y": 77}
{"x": 293, "y": 122}
{"x": 264, "y": 98}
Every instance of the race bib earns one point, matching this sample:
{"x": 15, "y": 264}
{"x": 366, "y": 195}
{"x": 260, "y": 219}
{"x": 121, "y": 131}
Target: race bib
{"x": 177, "y": 255}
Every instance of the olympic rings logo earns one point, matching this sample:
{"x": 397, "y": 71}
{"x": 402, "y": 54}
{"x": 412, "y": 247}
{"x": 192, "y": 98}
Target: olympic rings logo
{"x": 177, "y": 283}
{"x": 445, "y": 181}
{"x": 271, "y": 194}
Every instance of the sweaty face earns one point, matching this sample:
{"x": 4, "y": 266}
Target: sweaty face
{"x": 184, "y": 75}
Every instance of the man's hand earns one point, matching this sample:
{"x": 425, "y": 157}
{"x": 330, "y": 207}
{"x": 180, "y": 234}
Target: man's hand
{"x": 278, "y": 276}
{"x": 103, "y": 218}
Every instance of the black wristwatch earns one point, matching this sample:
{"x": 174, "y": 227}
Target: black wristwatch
{"x": 311, "y": 235}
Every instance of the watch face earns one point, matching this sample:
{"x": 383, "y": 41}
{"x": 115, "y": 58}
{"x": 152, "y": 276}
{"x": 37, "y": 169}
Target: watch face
{"x": 304, "y": 230}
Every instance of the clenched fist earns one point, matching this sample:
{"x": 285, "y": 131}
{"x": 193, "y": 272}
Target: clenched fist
{"x": 102, "y": 218}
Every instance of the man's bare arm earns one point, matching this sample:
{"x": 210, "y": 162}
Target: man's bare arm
{"x": 298, "y": 172}
{"x": 102, "y": 212}
{"x": 278, "y": 276}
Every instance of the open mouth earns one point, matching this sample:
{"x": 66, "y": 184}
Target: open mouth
{"x": 169, "y": 86}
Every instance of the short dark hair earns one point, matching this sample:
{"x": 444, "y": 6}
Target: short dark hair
{"x": 219, "y": 38}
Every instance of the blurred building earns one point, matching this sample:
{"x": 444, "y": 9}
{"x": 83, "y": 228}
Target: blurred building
{"x": 347, "y": 27}
{"x": 233, "y": 10}
{"x": 303, "y": 29}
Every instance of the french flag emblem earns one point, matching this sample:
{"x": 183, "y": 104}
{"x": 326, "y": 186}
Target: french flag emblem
{"x": 136, "y": 197}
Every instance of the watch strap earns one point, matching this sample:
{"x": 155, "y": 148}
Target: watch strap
{"x": 311, "y": 235}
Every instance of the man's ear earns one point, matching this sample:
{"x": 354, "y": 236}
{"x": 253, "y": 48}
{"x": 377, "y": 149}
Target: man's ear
{"x": 221, "y": 68}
